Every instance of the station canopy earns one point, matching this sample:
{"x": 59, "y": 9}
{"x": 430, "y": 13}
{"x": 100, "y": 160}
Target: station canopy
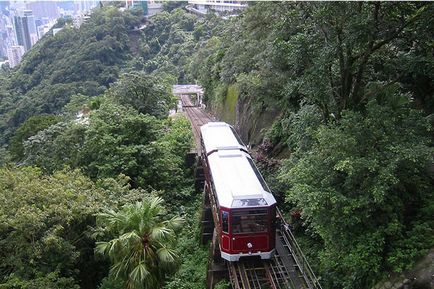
{"x": 184, "y": 89}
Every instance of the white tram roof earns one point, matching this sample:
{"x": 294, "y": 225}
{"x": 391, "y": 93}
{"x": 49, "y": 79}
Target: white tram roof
{"x": 220, "y": 136}
{"x": 237, "y": 181}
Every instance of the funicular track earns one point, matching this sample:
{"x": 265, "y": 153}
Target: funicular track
{"x": 288, "y": 269}
{"x": 197, "y": 117}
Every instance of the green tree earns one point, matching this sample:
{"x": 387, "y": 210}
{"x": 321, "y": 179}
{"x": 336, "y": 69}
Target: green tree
{"x": 120, "y": 140}
{"x": 55, "y": 147}
{"x": 146, "y": 93}
{"x": 193, "y": 258}
{"x": 169, "y": 42}
{"x": 50, "y": 280}
{"x": 74, "y": 61}
{"x": 142, "y": 251}
{"x": 343, "y": 47}
{"x": 116, "y": 140}
{"x": 323, "y": 54}
{"x": 29, "y": 128}
{"x": 44, "y": 228}
{"x": 362, "y": 187}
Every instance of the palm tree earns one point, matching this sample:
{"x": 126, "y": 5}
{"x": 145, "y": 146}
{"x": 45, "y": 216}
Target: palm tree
{"x": 142, "y": 253}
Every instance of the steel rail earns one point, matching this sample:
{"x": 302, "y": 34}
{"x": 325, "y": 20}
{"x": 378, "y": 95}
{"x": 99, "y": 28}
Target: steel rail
{"x": 233, "y": 277}
{"x": 272, "y": 275}
{"x": 282, "y": 273}
{"x": 298, "y": 255}
{"x": 196, "y": 116}
{"x": 246, "y": 275}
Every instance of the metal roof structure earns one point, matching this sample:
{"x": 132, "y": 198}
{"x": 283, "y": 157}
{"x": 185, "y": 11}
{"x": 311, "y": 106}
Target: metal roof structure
{"x": 220, "y": 136}
{"x": 238, "y": 184}
{"x": 237, "y": 181}
{"x": 183, "y": 89}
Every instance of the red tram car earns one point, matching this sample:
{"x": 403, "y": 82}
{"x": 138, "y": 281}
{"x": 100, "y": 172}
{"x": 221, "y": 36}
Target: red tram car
{"x": 246, "y": 219}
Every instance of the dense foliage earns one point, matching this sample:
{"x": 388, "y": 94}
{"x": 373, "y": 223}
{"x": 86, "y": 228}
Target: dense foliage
{"x": 352, "y": 86}
{"x": 149, "y": 94}
{"x": 327, "y": 55}
{"x": 116, "y": 140}
{"x": 347, "y": 89}
{"x": 30, "y": 127}
{"x": 170, "y": 40}
{"x": 45, "y": 233}
{"x": 364, "y": 180}
{"x": 91, "y": 133}
{"x": 84, "y": 60}
{"x": 143, "y": 249}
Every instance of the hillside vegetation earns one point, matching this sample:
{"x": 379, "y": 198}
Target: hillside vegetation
{"x": 73, "y": 61}
{"x": 351, "y": 89}
{"x": 335, "y": 98}
{"x": 87, "y": 140}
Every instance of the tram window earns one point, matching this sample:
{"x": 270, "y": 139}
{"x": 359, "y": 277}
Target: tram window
{"x": 249, "y": 202}
{"x": 251, "y": 221}
{"x": 225, "y": 222}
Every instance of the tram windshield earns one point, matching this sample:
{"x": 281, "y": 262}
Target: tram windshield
{"x": 249, "y": 202}
{"x": 249, "y": 221}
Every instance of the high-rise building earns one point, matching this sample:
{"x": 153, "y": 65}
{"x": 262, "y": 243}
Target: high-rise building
{"x": 80, "y": 19}
{"x": 15, "y": 53}
{"x": 10, "y": 36}
{"x": 43, "y": 29}
{"x": 25, "y": 29}
{"x": 83, "y": 6}
{"x": 3, "y": 35}
{"x": 3, "y": 48}
{"x": 19, "y": 31}
{"x": 149, "y": 7}
{"x": 154, "y": 7}
{"x": 218, "y": 6}
{"x": 17, "y": 5}
{"x": 43, "y": 9}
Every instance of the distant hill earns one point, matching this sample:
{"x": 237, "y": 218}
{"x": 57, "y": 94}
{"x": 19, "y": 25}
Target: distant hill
{"x": 84, "y": 60}
{"x": 87, "y": 60}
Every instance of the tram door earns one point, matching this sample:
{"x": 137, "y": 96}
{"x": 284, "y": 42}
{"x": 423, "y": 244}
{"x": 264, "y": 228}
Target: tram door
{"x": 225, "y": 238}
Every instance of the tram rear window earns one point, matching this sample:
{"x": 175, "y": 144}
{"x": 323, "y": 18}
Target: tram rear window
{"x": 249, "y": 202}
{"x": 250, "y": 221}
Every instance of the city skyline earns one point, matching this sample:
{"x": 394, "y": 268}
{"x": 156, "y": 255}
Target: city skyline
{"x": 23, "y": 23}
